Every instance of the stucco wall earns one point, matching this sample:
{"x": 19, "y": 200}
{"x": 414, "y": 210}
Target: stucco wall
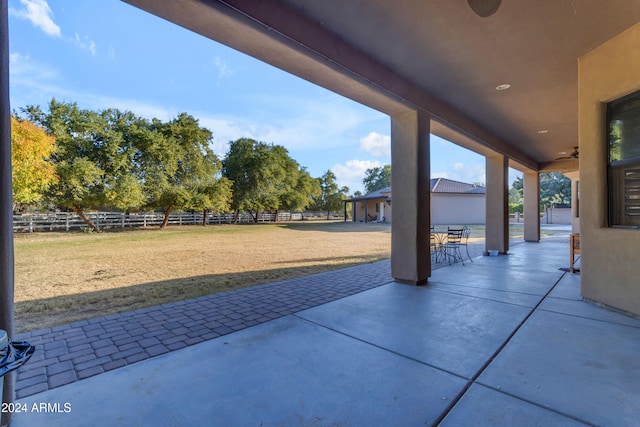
{"x": 557, "y": 216}
{"x": 610, "y": 270}
{"x": 457, "y": 209}
{"x": 446, "y": 209}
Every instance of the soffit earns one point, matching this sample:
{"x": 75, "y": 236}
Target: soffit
{"x": 460, "y": 58}
{"x": 433, "y": 54}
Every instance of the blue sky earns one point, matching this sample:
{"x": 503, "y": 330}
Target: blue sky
{"x": 108, "y": 54}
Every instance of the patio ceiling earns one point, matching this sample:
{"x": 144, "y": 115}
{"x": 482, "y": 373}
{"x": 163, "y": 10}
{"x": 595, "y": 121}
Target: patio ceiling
{"x": 434, "y": 55}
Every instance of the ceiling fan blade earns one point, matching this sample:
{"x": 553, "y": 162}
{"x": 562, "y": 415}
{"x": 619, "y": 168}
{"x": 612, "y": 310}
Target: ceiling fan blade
{"x": 573, "y": 155}
{"x": 484, "y": 8}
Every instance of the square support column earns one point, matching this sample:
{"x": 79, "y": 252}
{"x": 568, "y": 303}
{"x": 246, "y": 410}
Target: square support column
{"x": 574, "y": 176}
{"x": 531, "y": 206}
{"x": 410, "y": 256}
{"x": 6, "y": 204}
{"x": 497, "y": 203}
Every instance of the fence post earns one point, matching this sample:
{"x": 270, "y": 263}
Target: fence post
{"x": 30, "y": 224}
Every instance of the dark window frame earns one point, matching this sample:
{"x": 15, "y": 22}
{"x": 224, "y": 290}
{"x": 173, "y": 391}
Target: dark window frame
{"x": 623, "y": 174}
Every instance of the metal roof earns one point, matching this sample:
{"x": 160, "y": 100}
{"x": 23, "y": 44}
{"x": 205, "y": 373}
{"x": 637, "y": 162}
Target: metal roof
{"x": 437, "y": 185}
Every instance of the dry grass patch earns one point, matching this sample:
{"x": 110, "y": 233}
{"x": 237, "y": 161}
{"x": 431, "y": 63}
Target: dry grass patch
{"x": 64, "y": 277}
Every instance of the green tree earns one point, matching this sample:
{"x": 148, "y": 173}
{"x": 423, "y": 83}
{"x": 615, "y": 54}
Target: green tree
{"x": 212, "y": 196}
{"x": 95, "y": 158}
{"x": 298, "y": 189}
{"x": 80, "y": 185}
{"x": 31, "y": 148}
{"x": 377, "y": 178}
{"x": 266, "y": 178}
{"x": 331, "y": 196}
{"x": 180, "y": 171}
{"x": 554, "y": 188}
{"x": 249, "y": 166}
{"x": 516, "y": 196}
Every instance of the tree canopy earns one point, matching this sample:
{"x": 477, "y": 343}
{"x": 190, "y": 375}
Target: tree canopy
{"x": 179, "y": 168}
{"x": 377, "y": 178}
{"x": 266, "y": 178}
{"x": 31, "y": 148}
{"x": 554, "y": 188}
{"x": 117, "y": 160}
{"x": 331, "y": 196}
{"x": 122, "y": 161}
{"x": 88, "y": 158}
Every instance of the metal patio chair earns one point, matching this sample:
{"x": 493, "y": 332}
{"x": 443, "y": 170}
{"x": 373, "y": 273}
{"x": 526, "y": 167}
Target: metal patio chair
{"x": 452, "y": 245}
{"x": 466, "y": 232}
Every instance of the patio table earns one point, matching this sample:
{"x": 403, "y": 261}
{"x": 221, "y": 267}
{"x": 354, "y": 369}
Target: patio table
{"x": 438, "y": 243}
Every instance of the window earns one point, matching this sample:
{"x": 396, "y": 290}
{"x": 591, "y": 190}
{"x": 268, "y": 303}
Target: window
{"x": 623, "y": 122}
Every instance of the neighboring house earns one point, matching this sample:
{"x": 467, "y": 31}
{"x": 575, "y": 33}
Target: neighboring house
{"x": 372, "y": 207}
{"x": 452, "y": 202}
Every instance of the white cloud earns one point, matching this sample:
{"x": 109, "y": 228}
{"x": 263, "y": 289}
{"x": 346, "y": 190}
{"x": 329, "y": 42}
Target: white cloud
{"x": 469, "y": 173}
{"x": 223, "y": 68}
{"x": 39, "y": 14}
{"x": 377, "y": 145}
{"x": 33, "y": 82}
{"x": 352, "y": 173}
{"x": 84, "y": 43}
{"x": 23, "y": 66}
{"x": 439, "y": 175}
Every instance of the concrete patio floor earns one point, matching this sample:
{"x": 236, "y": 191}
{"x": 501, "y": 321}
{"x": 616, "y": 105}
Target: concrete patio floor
{"x": 502, "y": 341}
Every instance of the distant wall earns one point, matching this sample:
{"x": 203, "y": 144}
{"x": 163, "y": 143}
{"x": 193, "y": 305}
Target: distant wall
{"x": 457, "y": 209}
{"x": 557, "y": 216}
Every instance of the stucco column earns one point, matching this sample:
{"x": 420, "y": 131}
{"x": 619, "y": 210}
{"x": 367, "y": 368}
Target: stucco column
{"x": 575, "y": 200}
{"x": 531, "y": 183}
{"x": 410, "y": 258}
{"x": 6, "y": 205}
{"x": 497, "y": 222}
{"x": 575, "y": 205}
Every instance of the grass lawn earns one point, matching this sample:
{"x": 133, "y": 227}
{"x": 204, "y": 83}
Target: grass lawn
{"x": 64, "y": 277}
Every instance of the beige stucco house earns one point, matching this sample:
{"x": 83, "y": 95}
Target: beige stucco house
{"x": 452, "y": 202}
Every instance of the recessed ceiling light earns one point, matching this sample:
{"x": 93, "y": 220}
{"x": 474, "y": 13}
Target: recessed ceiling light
{"x": 503, "y": 86}
{"x": 542, "y": 131}
{"x": 562, "y": 152}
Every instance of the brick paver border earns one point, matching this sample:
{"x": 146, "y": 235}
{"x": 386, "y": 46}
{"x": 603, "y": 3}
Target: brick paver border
{"x": 72, "y": 352}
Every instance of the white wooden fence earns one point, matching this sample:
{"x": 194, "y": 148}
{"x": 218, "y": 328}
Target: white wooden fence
{"x": 67, "y": 221}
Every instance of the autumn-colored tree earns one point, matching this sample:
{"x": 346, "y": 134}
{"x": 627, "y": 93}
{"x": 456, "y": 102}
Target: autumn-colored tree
{"x": 31, "y": 147}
